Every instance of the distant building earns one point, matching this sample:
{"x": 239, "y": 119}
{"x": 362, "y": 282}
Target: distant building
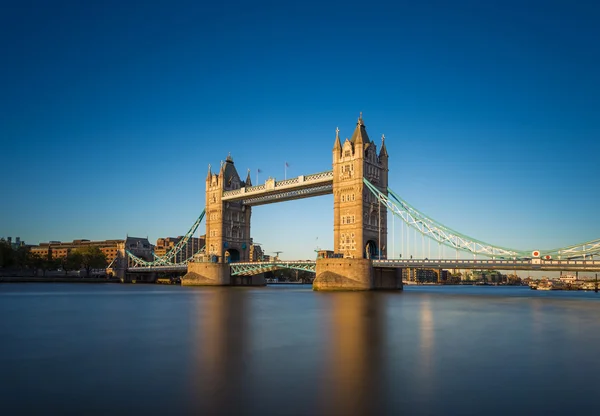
{"x": 411, "y": 274}
{"x": 489, "y": 276}
{"x": 139, "y": 247}
{"x": 256, "y": 253}
{"x": 166, "y": 244}
{"x": 14, "y": 244}
{"x": 57, "y": 249}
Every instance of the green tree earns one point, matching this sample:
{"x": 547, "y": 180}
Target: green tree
{"x": 45, "y": 263}
{"x": 24, "y": 258}
{"x": 90, "y": 257}
{"x": 71, "y": 261}
{"x": 6, "y": 254}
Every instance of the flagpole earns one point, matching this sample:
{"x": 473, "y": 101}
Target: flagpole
{"x": 284, "y": 171}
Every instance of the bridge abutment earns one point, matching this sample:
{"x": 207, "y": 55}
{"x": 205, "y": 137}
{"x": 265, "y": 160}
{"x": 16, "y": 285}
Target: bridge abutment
{"x": 207, "y": 274}
{"x": 387, "y": 278}
{"x": 254, "y": 280}
{"x": 355, "y": 274}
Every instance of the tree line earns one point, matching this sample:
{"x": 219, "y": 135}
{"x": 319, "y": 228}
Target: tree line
{"x": 21, "y": 258}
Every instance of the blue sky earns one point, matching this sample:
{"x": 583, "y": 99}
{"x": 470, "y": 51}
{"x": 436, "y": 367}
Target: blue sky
{"x": 112, "y": 111}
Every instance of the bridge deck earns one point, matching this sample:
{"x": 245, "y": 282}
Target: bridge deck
{"x": 485, "y": 264}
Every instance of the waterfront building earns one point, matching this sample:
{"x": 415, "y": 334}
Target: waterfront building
{"x": 140, "y": 247}
{"x": 412, "y": 274}
{"x": 166, "y": 244}
{"x": 256, "y": 253}
{"x": 58, "y": 249}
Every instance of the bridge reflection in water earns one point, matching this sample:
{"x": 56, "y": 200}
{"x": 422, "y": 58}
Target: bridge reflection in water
{"x": 218, "y": 382}
{"x": 252, "y": 359}
{"x": 353, "y": 379}
{"x": 454, "y": 350}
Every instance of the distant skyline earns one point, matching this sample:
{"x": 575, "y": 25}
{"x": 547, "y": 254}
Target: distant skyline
{"x": 112, "y": 112}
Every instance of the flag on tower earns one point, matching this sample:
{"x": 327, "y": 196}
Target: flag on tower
{"x": 258, "y": 170}
{"x": 287, "y": 165}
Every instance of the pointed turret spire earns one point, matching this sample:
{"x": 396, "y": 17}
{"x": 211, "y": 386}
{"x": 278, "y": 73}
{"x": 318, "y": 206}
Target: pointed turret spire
{"x": 337, "y": 145}
{"x": 360, "y": 132}
{"x": 248, "y": 181}
{"x": 383, "y": 151}
{"x": 209, "y": 173}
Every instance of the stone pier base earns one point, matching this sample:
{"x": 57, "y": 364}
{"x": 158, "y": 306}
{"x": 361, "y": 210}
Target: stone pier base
{"x": 387, "y": 278}
{"x": 255, "y": 280}
{"x": 207, "y": 274}
{"x": 343, "y": 274}
{"x": 355, "y": 274}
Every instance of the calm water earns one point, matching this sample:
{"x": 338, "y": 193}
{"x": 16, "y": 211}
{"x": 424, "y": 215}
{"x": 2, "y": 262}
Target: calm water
{"x": 285, "y": 350}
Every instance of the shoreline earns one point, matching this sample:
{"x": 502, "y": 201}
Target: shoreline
{"x": 54, "y": 279}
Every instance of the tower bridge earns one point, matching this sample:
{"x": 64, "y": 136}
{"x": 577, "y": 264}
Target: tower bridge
{"x": 358, "y": 181}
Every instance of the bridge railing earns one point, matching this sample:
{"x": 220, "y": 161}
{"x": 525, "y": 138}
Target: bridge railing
{"x": 493, "y": 263}
{"x": 285, "y": 182}
{"x": 299, "y": 181}
{"x": 319, "y": 176}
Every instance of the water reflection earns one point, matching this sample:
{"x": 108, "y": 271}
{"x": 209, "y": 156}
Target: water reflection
{"x": 290, "y": 351}
{"x": 426, "y": 347}
{"x": 353, "y": 371}
{"x": 221, "y": 346}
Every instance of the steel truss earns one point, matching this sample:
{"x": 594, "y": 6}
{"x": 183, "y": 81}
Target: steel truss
{"x": 289, "y": 195}
{"x": 249, "y": 269}
{"x": 167, "y": 259}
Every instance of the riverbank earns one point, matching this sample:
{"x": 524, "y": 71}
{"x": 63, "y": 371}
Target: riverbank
{"x": 54, "y": 279}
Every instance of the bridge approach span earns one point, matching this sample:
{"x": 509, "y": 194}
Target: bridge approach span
{"x": 252, "y": 268}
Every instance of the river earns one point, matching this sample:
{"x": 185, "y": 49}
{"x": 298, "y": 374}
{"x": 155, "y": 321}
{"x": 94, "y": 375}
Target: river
{"x": 286, "y": 350}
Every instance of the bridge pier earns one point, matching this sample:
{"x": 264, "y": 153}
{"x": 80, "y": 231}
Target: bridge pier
{"x": 354, "y": 274}
{"x": 253, "y": 280}
{"x": 387, "y": 278}
{"x": 207, "y": 274}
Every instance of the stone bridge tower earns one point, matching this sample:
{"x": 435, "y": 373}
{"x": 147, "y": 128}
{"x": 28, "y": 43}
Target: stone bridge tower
{"x": 359, "y": 220}
{"x": 227, "y": 223}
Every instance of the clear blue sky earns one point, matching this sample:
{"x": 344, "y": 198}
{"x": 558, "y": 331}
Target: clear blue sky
{"x": 111, "y": 111}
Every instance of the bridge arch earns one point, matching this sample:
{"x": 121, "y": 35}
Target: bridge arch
{"x": 232, "y": 255}
{"x": 371, "y": 250}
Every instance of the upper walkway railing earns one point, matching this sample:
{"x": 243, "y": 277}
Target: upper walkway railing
{"x": 301, "y": 186}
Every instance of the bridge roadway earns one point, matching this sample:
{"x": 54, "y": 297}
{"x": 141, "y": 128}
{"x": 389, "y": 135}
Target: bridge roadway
{"x": 239, "y": 269}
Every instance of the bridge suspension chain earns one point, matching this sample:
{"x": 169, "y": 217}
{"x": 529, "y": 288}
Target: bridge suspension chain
{"x": 437, "y": 231}
{"x": 451, "y": 238}
{"x": 167, "y": 259}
